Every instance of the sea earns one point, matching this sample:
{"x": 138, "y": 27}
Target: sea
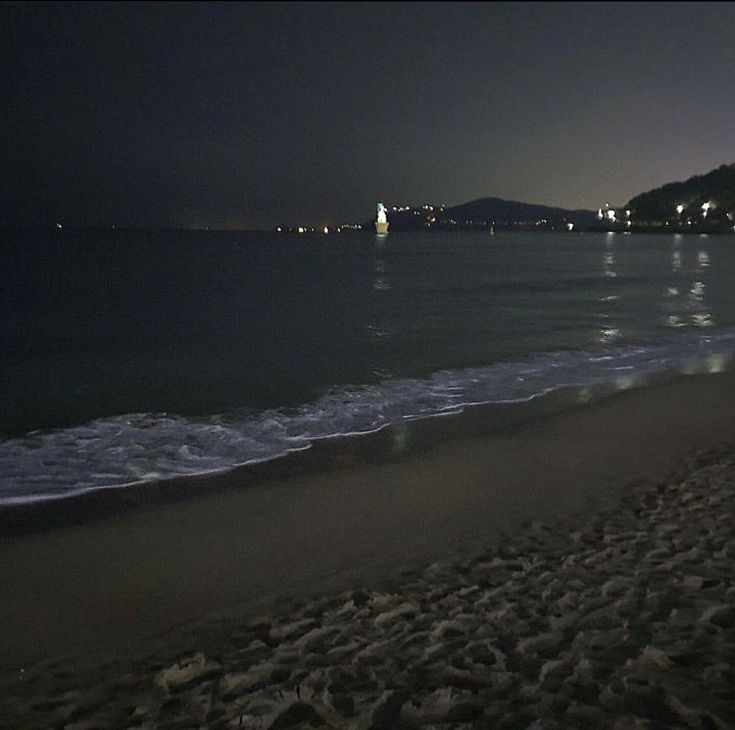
{"x": 130, "y": 357}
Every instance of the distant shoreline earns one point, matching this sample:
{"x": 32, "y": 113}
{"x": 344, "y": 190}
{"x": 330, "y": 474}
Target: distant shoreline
{"x": 394, "y": 230}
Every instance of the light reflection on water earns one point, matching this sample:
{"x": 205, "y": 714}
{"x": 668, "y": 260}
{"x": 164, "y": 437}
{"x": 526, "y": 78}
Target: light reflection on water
{"x": 628, "y": 381}
{"x": 714, "y": 363}
{"x": 673, "y": 320}
{"x": 703, "y": 319}
{"x": 696, "y": 293}
{"x": 584, "y": 395}
{"x": 611, "y": 332}
{"x": 688, "y": 302}
{"x": 400, "y": 439}
{"x": 608, "y": 262}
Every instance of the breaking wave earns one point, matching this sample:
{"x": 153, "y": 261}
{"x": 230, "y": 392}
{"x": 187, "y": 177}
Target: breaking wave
{"x": 118, "y": 451}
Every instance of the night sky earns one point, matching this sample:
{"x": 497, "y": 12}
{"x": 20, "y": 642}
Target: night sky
{"x": 250, "y": 115}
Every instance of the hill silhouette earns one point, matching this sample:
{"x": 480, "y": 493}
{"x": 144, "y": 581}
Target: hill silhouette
{"x": 488, "y": 213}
{"x": 703, "y": 201}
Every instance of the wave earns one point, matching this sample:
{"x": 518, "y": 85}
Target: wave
{"x": 118, "y": 451}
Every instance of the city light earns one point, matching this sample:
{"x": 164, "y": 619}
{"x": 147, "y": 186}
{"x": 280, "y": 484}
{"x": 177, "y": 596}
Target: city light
{"x": 679, "y": 209}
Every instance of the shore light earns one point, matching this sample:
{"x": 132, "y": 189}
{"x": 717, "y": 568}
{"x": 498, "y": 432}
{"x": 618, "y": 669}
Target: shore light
{"x": 679, "y": 209}
{"x": 326, "y": 230}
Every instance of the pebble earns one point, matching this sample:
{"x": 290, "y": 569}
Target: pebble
{"x": 185, "y": 671}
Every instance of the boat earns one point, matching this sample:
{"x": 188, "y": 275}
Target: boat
{"x": 381, "y": 222}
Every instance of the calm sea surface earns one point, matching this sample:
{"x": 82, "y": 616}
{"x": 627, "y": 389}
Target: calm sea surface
{"x": 131, "y": 356}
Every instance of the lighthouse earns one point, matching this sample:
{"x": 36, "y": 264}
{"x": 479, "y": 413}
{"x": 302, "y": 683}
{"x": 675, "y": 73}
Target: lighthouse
{"x": 381, "y": 222}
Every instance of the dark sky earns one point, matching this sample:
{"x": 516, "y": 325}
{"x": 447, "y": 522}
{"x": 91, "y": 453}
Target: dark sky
{"x": 243, "y": 115}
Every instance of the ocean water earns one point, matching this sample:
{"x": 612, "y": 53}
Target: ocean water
{"x": 132, "y": 356}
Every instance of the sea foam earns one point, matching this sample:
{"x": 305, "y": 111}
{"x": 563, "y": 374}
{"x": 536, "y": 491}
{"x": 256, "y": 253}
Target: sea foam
{"x": 117, "y": 451}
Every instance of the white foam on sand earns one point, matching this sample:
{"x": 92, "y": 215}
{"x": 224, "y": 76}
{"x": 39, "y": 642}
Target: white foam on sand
{"x": 119, "y": 451}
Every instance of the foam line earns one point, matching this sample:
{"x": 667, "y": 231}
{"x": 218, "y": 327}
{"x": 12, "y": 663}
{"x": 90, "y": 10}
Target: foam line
{"x": 114, "y": 452}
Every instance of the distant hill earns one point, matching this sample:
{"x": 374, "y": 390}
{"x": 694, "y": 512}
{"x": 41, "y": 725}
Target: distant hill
{"x": 707, "y": 202}
{"x": 487, "y": 212}
{"x": 511, "y": 213}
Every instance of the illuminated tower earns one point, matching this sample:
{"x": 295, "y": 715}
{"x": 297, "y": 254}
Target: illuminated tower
{"x": 381, "y": 222}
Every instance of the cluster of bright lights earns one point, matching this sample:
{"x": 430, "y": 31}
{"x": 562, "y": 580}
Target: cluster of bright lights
{"x": 324, "y": 229}
{"x": 608, "y": 213}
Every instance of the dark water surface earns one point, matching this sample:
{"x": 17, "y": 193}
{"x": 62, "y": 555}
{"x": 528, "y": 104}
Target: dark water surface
{"x": 134, "y": 355}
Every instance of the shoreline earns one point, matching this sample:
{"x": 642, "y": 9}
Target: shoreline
{"x": 385, "y": 444}
{"x": 158, "y": 582}
{"x": 388, "y": 443}
{"x": 112, "y": 463}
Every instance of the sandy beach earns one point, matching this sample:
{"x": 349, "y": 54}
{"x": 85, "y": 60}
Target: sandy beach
{"x": 572, "y": 572}
{"x": 367, "y": 367}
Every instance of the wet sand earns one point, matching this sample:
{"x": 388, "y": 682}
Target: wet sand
{"x": 127, "y": 586}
